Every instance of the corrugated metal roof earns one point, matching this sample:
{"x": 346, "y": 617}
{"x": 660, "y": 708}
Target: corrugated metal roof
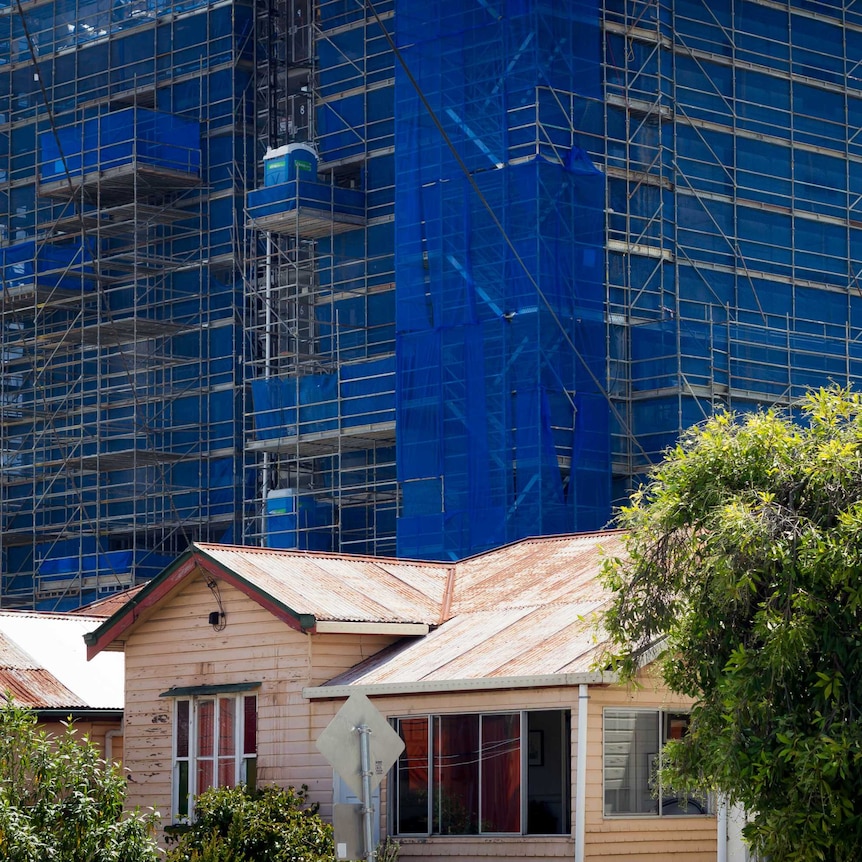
{"x": 43, "y": 662}
{"x": 527, "y": 609}
{"x": 530, "y": 609}
{"x": 37, "y": 688}
{"x": 534, "y": 572}
{"x": 340, "y": 587}
{"x": 106, "y": 607}
{"x": 488, "y": 645}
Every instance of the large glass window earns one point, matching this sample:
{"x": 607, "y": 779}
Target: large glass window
{"x": 633, "y": 742}
{"x": 500, "y": 773}
{"x": 215, "y": 745}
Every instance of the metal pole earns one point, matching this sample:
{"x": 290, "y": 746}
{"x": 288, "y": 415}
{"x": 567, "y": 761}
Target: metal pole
{"x": 581, "y": 773}
{"x": 367, "y": 807}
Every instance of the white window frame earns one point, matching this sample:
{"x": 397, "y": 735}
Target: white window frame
{"x": 240, "y": 757}
{"x": 662, "y": 714}
{"x": 566, "y": 777}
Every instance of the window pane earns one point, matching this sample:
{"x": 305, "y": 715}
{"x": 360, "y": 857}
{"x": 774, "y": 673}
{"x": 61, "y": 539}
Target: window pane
{"x": 206, "y": 712}
{"x": 206, "y": 732}
{"x": 549, "y": 772}
{"x": 456, "y": 774}
{"x": 501, "y": 773}
{"x": 412, "y": 778}
{"x": 226, "y": 737}
{"x": 182, "y": 728}
{"x": 227, "y": 742}
{"x": 183, "y": 789}
{"x": 249, "y": 736}
{"x": 630, "y": 760}
{"x": 205, "y": 776}
{"x": 676, "y": 727}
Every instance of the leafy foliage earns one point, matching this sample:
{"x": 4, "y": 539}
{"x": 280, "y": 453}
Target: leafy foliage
{"x": 744, "y": 551}
{"x": 60, "y": 802}
{"x": 234, "y": 824}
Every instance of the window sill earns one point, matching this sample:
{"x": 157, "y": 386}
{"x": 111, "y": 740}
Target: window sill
{"x": 657, "y": 817}
{"x": 407, "y": 840}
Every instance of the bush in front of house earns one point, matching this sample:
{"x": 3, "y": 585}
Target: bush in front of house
{"x": 233, "y": 824}
{"x": 59, "y": 800}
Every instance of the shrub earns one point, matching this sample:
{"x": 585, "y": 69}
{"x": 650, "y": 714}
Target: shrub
{"x": 233, "y": 824}
{"x": 60, "y": 802}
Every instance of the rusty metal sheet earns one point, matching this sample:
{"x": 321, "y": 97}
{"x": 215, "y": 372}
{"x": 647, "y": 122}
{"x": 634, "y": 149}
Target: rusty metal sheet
{"x": 51, "y": 646}
{"x": 490, "y": 644}
{"x": 366, "y": 589}
{"x": 530, "y": 609}
{"x": 535, "y": 571}
{"x": 105, "y": 608}
{"x": 37, "y": 688}
{"x": 340, "y": 587}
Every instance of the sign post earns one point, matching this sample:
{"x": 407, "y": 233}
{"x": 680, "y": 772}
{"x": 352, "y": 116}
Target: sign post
{"x": 361, "y": 746}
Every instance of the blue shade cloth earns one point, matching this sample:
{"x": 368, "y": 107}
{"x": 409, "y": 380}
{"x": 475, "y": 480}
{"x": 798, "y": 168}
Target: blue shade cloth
{"x": 120, "y": 138}
{"x": 502, "y": 429}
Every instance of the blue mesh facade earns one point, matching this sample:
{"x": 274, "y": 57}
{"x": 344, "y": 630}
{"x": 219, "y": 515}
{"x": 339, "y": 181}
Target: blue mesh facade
{"x": 542, "y": 239}
{"x": 732, "y": 156}
{"x": 502, "y": 428}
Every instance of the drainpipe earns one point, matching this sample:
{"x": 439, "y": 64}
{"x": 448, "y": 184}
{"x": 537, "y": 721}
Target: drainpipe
{"x": 721, "y": 854}
{"x": 581, "y": 772}
{"x": 109, "y": 743}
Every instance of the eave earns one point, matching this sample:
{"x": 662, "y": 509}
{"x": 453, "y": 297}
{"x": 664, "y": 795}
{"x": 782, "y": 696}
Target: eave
{"x": 566, "y": 680}
{"x": 116, "y": 627}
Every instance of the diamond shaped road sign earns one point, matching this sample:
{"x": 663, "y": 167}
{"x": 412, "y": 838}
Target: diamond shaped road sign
{"x": 339, "y": 743}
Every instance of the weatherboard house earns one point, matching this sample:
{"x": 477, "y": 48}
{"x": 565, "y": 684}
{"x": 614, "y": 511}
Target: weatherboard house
{"x": 237, "y": 659}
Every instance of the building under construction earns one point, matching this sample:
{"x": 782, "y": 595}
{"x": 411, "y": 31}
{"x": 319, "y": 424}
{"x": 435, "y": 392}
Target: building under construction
{"x": 390, "y": 276}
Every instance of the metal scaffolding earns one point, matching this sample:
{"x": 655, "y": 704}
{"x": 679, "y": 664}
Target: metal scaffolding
{"x": 731, "y": 146}
{"x": 320, "y": 449}
{"x": 604, "y": 220}
{"x": 125, "y": 130}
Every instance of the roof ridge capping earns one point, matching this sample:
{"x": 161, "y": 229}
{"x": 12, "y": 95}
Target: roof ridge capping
{"x": 334, "y": 555}
{"x": 556, "y": 537}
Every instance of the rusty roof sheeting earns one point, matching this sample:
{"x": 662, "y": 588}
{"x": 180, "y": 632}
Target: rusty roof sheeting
{"x": 340, "y": 587}
{"x": 529, "y": 609}
{"x": 535, "y": 571}
{"x": 106, "y": 607}
{"x": 37, "y": 688}
{"x": 489, "y": 644}
{"x": 43, "y": 661}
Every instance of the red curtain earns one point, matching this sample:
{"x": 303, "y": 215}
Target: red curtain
{"x": 456, "y": 774}
{"x": 413, "y": 777}
{"x": 501, "y": 773}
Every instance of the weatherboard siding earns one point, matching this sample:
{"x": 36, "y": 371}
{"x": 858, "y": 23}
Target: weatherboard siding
{"x": 176, "y": 646}
{"x": 632, "y": 839}
{"x": 646, "y": 838}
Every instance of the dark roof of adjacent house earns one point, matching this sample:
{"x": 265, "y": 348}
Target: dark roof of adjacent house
{"x": 43, "y": 663}
{"x": 108, "y": 606}
{"x": 525, "y": 610}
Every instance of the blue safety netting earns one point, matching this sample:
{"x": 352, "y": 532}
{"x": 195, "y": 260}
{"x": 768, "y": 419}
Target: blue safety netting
{"x": 357, "y": 394}
{"x": 502, "y": 423}
{"x": 119, "y": 139}
{"x": 68, "y": 265}
{"x": 743, "y": 287}
{"x": 117, "y": 435}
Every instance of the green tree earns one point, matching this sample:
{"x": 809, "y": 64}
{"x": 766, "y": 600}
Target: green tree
{"x": 233, "y": 824}
{"x": 60, "y": 802}
{"x": 744, "y": 554}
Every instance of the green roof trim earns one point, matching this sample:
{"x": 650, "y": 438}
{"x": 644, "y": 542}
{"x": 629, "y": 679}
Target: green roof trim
{"x": 225, "y": 688}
